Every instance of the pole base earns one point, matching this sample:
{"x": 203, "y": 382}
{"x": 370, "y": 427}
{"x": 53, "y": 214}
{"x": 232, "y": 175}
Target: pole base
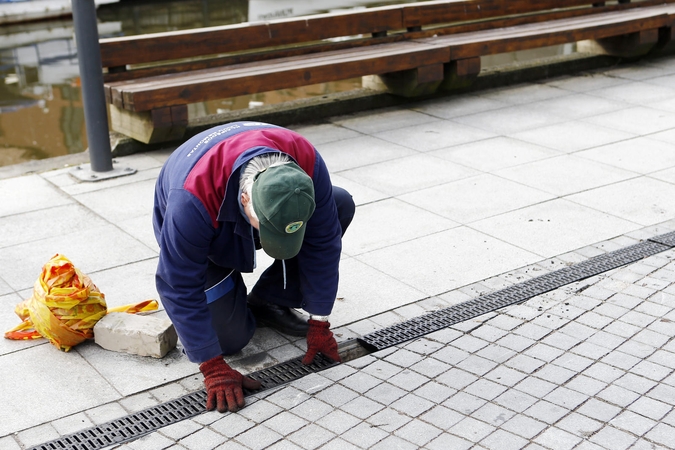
{"x": 83, "y": 172}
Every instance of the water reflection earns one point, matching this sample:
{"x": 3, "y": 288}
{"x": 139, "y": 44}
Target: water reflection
{"x": 41, "y": 113}
{"x": 140, "y": 17}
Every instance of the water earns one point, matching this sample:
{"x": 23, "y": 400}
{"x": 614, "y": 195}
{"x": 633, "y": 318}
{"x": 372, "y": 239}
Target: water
{"x": 41, "y": 112}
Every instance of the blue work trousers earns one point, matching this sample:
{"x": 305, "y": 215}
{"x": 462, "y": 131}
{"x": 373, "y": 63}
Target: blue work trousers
{"x": 226, "y": 292}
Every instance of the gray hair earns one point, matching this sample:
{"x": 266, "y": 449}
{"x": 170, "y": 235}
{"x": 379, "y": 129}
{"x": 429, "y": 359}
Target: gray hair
{"x": 256, "y": 165}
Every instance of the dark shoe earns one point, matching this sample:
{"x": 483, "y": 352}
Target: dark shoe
{"x": 281, "y": 318}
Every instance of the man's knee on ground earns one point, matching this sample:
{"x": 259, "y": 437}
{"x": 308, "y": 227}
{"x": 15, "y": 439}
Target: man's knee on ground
{"x": 345, "y": 207}
{"x": 233, "y": 344}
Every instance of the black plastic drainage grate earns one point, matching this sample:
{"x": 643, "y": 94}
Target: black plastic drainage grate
{"x": 144, "y": 422}
{"x": 136, "y": 425}
{"x": 437, "y": 320}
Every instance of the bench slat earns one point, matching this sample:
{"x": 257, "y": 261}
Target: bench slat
{"x": 279, "y": 74}
{"x": 436, "y": 12}
{"x": 547, "y": 15}
{"x": 166, "y": 69}
{"x": 156, "y": 47}
{"x": 501, "y": 40}
{"x": 231, "y": 38}
{"x": 416, "y": 49}
{"x": 140, "y": 43}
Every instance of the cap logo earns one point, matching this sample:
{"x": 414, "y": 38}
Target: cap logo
{"x": 293, "y": 227}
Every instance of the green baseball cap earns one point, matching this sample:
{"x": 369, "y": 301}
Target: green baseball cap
{"x": 283, "y": 200}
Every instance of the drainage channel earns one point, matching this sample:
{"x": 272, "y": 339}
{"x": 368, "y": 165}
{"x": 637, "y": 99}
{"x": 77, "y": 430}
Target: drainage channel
{"x": 517, "y": 293}
{"x": 139, "y": 424}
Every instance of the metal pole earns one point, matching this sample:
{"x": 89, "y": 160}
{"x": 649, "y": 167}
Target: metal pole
{"x": 93, "y": 96}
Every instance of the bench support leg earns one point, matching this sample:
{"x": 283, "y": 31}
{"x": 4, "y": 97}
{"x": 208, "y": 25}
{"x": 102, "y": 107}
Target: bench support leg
{"x": 158, "y": 125}
{"x": 666, "y": 39}
{"x": 460, "y": 73}
{"x": 408, "y": 83}
{"x": 632, "y": 45}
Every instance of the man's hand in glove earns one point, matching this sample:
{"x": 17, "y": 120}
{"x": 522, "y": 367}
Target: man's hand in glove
{"x": 224, "y": 385}
{"x": 320, "y": 339}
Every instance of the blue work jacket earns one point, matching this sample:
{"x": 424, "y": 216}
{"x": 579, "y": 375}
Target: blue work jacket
{"x": 197, "y": 218}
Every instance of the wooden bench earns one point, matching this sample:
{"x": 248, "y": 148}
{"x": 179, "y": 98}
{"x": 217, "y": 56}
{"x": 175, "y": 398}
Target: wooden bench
{"x": 414, "y": 49}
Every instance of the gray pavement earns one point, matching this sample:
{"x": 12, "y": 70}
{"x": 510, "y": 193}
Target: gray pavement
{"x": 456, "y": 197}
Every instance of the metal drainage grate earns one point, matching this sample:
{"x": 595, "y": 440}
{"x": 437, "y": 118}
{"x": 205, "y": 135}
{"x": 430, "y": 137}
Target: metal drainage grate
{"x": 289, "y": 371}
{"x": 437, "y": 320}
{"x": 131, "y": 427}
{"x": 665, "y": 239}
{"x": 144, "y": 422}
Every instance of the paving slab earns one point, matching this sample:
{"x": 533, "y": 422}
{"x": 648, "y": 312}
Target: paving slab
{"x": 320, "y": 134}
{"x": 647, "y": 71}
{"x": 533, "y": 228}
{"x": 511, "y": 119}
{"x": 476, "y": 198}
{"x": 578, "y": 105}
{"x": 4, "y": 288}
{"x": 524, "y": 93}
{"x": 642, "y": 154}
{"x": 147, "y": 168}
{"x": 124, "y": 202}
{"x": 579, "y": 174}
{"x": 460, "y": 106}
{"x": 90, "y": 250}
{"x": 41, "y": 384}
{"x": 127, "y": 283}
{"x": 349, "y": 153}
{"x": 590, "y": 82}
{"x": 390, "y": 222}
{"x": 662, "y": 105}
{"x": 29, "y": 193}
{"x": 408, "y": 174}
{"x": 639, "y": 120}
{"x": 430, "y": 263}
{"x": 456, "y": 197}
{"x": 667, "y": 79}
{"x": 361, "y": 194}
{"x": 9, "y": 320}
{"x": 140, "y": 228}
{"x": 384, "y": 120}
{"x": 640, "y": 200}
{"x": 639, "y": 93}
{"x": 489, "y": 155}
{"x": 434, "y": 134}
{"x": 384, "y": 292}
{"x": 572, "y": 136}
{"x": 63, "y": 220}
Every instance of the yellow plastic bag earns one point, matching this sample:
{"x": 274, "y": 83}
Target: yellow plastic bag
{"x": 65, "y": 306}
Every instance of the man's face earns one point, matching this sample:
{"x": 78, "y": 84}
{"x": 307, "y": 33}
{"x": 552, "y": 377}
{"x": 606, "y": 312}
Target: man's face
{"x": 248, "y": 209}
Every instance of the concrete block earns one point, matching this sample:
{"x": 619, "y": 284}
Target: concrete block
{"x": 142, "y": 335}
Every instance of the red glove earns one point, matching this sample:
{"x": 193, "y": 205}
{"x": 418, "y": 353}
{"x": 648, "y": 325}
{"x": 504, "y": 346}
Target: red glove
{"x": 224, "y": 385}
{"x": 320, "y": 339}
